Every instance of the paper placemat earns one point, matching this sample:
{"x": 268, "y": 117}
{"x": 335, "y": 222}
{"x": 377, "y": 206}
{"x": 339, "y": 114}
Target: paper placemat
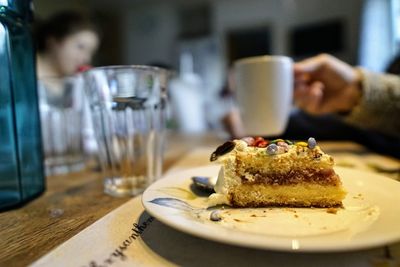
{"x": 129, "y": 236}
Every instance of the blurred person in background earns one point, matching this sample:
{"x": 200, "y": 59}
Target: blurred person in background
{"x": 65, "y": 44}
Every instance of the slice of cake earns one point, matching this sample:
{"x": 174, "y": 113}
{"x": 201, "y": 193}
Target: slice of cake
{"x": 259, "y": 173}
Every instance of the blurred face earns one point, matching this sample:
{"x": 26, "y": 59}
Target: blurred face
{"x": 74, "y": 51}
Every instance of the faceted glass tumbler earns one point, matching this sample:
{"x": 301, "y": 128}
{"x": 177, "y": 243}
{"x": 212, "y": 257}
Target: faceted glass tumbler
{"x": 127, "y": 107}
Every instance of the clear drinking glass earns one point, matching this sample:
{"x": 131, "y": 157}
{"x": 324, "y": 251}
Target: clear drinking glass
{"x": 127, "y": 105}
{"x": 62, "y": 118}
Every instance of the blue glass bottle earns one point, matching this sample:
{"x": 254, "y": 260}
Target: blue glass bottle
{"x": 21, "y": 158}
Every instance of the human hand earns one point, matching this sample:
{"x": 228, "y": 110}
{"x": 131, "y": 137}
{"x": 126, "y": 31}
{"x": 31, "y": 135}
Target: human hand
{"x": 324, "y": 84}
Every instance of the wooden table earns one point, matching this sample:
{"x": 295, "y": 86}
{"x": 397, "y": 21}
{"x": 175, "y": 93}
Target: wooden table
{"x": 71, "y": 203}
{"x": 74, "y": 201}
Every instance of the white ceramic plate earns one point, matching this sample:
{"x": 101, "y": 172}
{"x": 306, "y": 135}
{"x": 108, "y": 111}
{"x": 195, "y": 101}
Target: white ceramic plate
{"x": 370, "y": 217}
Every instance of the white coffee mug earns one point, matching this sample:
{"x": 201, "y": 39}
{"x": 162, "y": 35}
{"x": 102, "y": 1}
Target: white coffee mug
{"x": 264, "y": 87}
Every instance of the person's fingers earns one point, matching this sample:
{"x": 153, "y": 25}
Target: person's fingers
{"x": 301, "y": 103}
{"x": 301, "y": 95}
{"x": 304, "y": 71}
{"x": 300, "y": 84}
{"x": 311, "y": 65}
{"x": 302, "y": 77}
{"x": 314, "y": 98}
{"x": 310, "y": 98}
{"x": 300, "y": 90}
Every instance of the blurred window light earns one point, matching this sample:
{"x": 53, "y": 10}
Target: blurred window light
{"x": 377, "y": 39}
{"x": 395, "y": 14}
